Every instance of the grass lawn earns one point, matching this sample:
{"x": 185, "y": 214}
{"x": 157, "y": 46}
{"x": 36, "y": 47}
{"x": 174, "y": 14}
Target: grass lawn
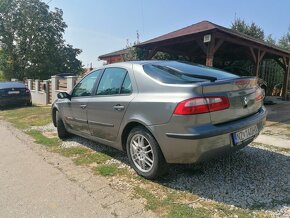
{"x": 26, "y": 117}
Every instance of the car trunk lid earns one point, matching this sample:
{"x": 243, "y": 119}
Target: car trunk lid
{"x": 241, "y": 93}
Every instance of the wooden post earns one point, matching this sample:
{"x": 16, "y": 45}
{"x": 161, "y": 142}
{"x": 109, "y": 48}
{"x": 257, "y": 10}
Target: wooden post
{"x": 210, "y": 53}
{"x": 257, "y": 59}
{"x": 151, "y": 54}
{"x": 209, "y": 49}
{"x": 286, "y": 79}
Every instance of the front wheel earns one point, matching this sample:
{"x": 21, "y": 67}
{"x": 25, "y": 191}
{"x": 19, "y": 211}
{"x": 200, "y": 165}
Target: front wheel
{"x": 61, "y": 130}
{"x": 144, "y": 154}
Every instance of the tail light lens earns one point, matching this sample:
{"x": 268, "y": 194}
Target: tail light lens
{"x": 260, "y": 94}
{"x": 202, "y": 105}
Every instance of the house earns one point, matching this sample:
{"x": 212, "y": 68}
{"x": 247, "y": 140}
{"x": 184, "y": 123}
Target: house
{"x": 113, "y": 57}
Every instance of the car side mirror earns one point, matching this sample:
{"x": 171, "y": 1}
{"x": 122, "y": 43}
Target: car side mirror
{"x": 63, "y": 95}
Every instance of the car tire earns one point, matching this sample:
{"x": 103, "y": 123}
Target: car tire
{"x": 144, "y": 154}
{"x": 29, "y": 104}
{"x": 61, "y": 130}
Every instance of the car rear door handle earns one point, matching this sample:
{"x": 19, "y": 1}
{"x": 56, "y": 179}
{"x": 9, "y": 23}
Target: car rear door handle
{"x": 83, "y": 106}
{"x": 119, "y": 107}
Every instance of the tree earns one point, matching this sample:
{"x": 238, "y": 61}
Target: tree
{"x": 136, "y": 54}
{"x": 252, "y": 30}
{"x": 284, "y": 42}
{"x": 270, "y": 40}
{"x": 31, "y": 38}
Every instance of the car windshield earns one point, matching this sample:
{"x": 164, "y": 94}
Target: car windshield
{"x": 174, "y": 72}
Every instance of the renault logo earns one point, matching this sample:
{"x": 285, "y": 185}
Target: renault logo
{"x": 246, "y": 101}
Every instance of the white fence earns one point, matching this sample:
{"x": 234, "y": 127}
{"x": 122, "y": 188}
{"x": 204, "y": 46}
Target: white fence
{"x": 45, "y": 92}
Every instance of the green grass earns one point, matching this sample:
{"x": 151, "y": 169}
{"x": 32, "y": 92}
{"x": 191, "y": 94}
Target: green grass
{"x": 72, "y": 151}
{"x": 25, "y": 117}
{"x": 41, "y": 139}
{"x": 87, "y": 159}
{"x": 152, "y": 201}
{"x": 168, "y": 206}
{"x": 179, "y": 210}
{"x": 108, "y": 170}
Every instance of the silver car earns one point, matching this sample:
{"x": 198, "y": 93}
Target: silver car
{"x": 162, "y": 112}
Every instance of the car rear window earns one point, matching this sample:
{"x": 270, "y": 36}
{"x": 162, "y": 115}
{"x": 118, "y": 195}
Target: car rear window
{"x": 179, "y": 73}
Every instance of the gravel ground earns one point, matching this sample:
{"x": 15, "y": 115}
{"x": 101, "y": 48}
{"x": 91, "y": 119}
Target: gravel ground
{"x": 256, "y": 177}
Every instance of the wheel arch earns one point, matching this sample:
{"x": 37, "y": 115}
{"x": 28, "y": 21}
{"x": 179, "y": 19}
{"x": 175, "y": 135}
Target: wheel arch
{"x": 54, "y": 109}
{"x": 129, "y": 126}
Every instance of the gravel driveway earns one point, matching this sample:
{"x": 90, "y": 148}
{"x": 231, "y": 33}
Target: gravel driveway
{"x": 256, "y": 177}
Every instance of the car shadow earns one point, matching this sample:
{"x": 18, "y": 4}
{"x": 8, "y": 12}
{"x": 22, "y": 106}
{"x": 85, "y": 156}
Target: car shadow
{"x": 252, "y": 178}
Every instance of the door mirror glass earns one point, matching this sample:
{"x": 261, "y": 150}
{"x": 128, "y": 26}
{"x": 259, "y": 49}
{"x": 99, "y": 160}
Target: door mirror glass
{"x": 63, "y": 95}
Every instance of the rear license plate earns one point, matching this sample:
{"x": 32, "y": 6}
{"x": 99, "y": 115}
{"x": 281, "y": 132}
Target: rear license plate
{"x": 13, "y": 92}
{"x": 245, "y": 134}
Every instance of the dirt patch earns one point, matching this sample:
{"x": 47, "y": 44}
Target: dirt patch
{"x": 50, "y": 134}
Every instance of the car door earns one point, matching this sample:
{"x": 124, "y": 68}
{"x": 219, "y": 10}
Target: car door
{"x": 107, "y": 108}
{"x": 76, "y": 116}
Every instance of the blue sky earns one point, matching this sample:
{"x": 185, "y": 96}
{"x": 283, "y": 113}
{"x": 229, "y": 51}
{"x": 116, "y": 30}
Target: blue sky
{"x": 102, "y": 26}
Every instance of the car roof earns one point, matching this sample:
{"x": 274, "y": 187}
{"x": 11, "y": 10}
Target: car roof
{"x": 5, "y": 85}
{"x": 143, "y": 62}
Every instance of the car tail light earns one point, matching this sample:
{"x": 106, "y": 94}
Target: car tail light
{"x": 202, "y": 105}
{"x": 260, "y": 94}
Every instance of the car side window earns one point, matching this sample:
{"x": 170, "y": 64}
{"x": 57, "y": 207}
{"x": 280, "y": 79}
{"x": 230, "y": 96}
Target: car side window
{"x": 111, "y": 81}
{"x": 86, "y": 85}
{"x": 127, "y": 85}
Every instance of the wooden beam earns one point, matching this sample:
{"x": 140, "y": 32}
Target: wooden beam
{"x": 262, "y": 55}
{"x": 281, "y": 63}
{"x": 254, "y": 45}
{"x": 152, "y": 53}
{"x": 218, "y": 44}
{"x": 174, "y": 41}
{"x": 286, "y": 79}
{"x": 253, "y": 55}
{"x": 258, "y": 63}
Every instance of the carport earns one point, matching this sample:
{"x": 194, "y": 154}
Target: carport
{"x": 213, "y": 45}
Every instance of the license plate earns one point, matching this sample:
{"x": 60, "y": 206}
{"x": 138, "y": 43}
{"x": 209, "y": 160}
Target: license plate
{"x": 245, "y": 134}
{"x": 13, "y": 92}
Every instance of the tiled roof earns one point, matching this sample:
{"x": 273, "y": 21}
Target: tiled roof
{"x": 204, "y": 26}
{"x": 115, "y": 53}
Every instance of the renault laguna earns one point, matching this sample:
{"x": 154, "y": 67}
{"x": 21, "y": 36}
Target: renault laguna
{"x": 162, "y": 112}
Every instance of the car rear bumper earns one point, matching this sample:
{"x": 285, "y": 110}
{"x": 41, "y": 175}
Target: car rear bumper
{"x": 15, "y": 100}
{"x": 203, "y": 142}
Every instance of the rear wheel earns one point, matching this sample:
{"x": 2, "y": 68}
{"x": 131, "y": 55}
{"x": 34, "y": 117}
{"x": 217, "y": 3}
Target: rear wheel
{"x": 61, "y": 130}
{"x": 144, "y": 154}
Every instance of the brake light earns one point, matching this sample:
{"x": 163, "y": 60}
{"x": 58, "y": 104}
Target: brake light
{"x": 202, "y": 105}
{"x": 260, "y": 94}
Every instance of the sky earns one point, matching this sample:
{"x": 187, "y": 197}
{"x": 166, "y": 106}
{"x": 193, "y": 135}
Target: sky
{"x": 103, "y": 26}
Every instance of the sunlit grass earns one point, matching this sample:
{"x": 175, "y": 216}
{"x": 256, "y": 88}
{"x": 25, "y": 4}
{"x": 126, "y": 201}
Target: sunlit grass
{"x": 26, "y": 117}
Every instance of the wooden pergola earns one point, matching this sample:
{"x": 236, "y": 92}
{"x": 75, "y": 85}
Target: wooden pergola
{"x": 210, "y": 44}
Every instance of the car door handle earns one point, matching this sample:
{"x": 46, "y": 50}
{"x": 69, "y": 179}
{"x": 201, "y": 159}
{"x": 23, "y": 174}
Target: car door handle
{"x": 83, "y": 106}
{"x": 119, "y": 107}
